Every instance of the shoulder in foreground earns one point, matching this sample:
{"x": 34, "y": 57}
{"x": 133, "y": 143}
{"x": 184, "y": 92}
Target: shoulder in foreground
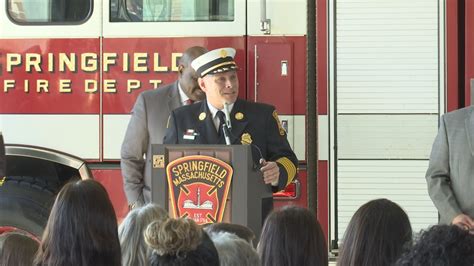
{"x": 460, "y": 113}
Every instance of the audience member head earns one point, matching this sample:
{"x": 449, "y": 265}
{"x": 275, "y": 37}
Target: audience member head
{"x": 233, "y": 250}
{"x": 17, "y": 249}
{"x": 180, "y": 242}
{"x": 376, "y": 235}
{"x": 187, "y": 76}
{"x": 131, "y": 233}
{"x": 239, "y": 230}
{"x": 81, "y": 229}
{"x": 292, "y": 236}
{"x": 441, "y": 245}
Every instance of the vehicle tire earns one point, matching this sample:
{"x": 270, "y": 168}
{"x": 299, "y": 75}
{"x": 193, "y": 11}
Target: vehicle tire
{"x": 25, "y": 203}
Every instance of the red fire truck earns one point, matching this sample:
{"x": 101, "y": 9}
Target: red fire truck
{"x": 359, "y": 86}
{"x": 71, "y": 71}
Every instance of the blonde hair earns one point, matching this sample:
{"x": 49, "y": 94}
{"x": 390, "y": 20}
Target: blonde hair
{"x": 173, "y": 237}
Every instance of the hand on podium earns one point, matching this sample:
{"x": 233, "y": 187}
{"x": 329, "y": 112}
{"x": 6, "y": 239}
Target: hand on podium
{"x": 271, "y": 172}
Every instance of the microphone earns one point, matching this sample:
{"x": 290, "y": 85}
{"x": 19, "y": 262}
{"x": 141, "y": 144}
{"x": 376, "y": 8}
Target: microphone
{"x": 224, "y": 118}
{"x": 227, "y": 115}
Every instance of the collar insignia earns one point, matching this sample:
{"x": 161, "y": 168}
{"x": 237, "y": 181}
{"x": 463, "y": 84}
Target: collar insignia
{"x": 202, "y": 116}
{"x": 239, "y": 116}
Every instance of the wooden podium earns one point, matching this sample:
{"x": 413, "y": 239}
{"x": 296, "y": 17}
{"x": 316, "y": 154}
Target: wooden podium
{"x": 249, "y": 200}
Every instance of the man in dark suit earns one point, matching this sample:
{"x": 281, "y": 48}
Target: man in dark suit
{"x": 148, "y": 126}
{"x": 251, "y": 123}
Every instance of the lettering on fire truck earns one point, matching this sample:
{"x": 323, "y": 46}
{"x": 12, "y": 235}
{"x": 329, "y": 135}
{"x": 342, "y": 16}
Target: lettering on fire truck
{"x": 75, "y": 63}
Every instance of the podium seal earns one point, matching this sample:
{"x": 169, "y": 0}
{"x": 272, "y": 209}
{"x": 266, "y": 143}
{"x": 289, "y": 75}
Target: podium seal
{"x": 198, "y": 187}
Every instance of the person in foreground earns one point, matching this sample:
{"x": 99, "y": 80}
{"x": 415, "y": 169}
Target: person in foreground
{"x": 237, "y": 229}
{"x": 17, "y": 249}
{"x": 441, "y": 245}
{"x": 180, "y": 242}
{"x": 233, "y": 250}
{"x": 377, "y": 235}
{"x": 135, "y": 251}
{"x": 81, "y": 229}
{"x": 292, "y": 236}
{"x": 250, "y": 123}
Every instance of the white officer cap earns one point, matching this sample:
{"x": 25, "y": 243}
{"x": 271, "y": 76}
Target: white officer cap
{"x": 215, "y": 61}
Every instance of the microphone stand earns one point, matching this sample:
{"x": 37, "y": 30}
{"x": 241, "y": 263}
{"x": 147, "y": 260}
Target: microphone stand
{"x": 226, "y": 131}
{"x": 226, "y": 126}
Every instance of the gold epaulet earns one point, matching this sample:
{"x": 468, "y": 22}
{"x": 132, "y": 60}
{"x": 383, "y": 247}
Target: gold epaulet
{"x": 280, "y": 127}
{"x": 289, "y": 167}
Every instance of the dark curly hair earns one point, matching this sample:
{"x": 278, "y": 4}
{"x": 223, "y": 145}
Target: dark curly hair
{"x": 441, "y": 245}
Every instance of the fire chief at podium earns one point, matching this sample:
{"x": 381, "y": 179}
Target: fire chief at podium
{"x": 248, "y": 123}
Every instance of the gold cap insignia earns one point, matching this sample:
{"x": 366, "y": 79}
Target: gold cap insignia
{"x": 239, "y": 116}
{"x": 246, "y": 139}
{"x": 280, "y": 127}
{"x": 223, "y": 53}
{"x": 202, "y": 116}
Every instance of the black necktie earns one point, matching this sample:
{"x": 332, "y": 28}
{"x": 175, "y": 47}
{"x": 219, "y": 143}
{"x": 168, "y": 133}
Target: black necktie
{"x": 221, "y": 117}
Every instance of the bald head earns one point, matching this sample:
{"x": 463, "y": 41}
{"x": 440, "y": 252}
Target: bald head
{"x": 190, "y": 54}
{"x": 187, "y": 75}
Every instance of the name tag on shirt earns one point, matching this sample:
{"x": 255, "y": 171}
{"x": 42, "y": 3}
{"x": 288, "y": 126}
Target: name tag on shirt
{"x": 190, "y": 134}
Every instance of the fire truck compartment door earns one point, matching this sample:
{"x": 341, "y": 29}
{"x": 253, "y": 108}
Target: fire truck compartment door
{"x": 274, "y": 75}
{"x": 274, "y": 84}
